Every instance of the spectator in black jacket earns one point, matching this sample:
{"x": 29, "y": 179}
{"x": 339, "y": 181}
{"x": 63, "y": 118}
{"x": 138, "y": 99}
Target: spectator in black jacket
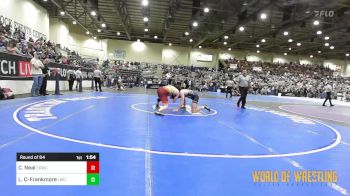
{"x": 45, "y": 71}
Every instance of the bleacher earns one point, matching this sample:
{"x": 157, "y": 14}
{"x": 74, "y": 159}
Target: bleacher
{"x": 127, "y": 74}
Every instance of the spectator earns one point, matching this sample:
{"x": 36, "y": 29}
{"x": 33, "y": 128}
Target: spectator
{"x": 11, "y": 48}
{"x": 36, "y": 73}
{"x": 45, "y": 72}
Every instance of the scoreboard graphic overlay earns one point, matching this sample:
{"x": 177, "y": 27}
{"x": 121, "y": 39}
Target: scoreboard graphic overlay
{"x": 57, "y": 169}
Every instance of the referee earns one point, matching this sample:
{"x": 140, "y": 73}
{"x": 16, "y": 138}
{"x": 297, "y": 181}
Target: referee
{"x": 97, "y": 78}
{"x": 229, "y": 86}
{"x": 328, "y": 90}
{"x": 244, "y": 85}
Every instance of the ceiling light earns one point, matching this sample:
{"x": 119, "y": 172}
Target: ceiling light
{"x": 138, "y": 40}
{"x": 95, "y": 37}
{"x": 258, "y": 51}
{"x": 326, "y": 44}
{"x": 298, "y": 44}
{"x": 257, "y": 45}
{"x": 289, "y": 48}
{"x": 87, "y": 32}
{"x": 332, "y": 47}
{"x": 74, "y": 22}
{"x": 263, "y": 16}
{"x": 316, "y": 22}
{"x": 98, "y": 30}
{"x": 225, "y": 37}
{"x": 155, "y": 37}
{"x": 145, "y": 19}
{"x": 187, "y": 33}
{"x": 44, "y": 0}
{"x": 206, "y": 10}
{"x": 146, "y": 30}
{"x": 319, "y": 52}
{"x": 347, "y": 54}
{"x": 311, "y": 56}
{"x": 195, "y": 24}
{"x": 62, "y": 13}
{"x": 199, "y": 46}
{"x": 241, "y": 28}
{"x": 225, "y": 43}
{"x": 229, "y": 49}
{"x": 285, "y": 54}
{"x": 118, "y": 33}
{"x": 290, "y": 40}
{"x": 263, "y": 40}
{"x": 326, "y": 38}
{"x": 191, "y": 40}
{"x": 93, "y": 13}
{"x": 145, "y": 2}
{"x": 285, "y": 33}
{"x": 103, "y": 25}
{"x": 170, "y": 44}
{"x": 319, "y": 32}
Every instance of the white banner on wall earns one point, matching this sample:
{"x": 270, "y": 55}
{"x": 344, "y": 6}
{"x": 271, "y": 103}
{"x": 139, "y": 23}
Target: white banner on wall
{"x": 25, "y": 15}
{"x": 16, "y": 25}
{"x": 205, "y": 58}
{"x": 233, "y": 66}
{"x": 258, "y": 69}
{"x": 120, "y": 54}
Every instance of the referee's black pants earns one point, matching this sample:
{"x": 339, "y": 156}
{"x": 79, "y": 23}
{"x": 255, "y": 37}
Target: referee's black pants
{"x": 229, "y": 91}
{"x": 243, "y": 91}
{"x": 328, "y": 97}
{"x": 98, "y": 81}
{"x": 71, "y": 83}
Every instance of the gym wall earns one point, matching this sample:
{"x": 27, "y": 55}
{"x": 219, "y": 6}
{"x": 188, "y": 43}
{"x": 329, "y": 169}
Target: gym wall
{"x": 86, "y": 46}
{"x": 27, "y": 13}
{"x": 347, "y": 69}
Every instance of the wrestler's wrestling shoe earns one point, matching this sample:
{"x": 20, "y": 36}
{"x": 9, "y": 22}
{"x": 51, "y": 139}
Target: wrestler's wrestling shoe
{"x": 157, "y": 112}
{"x": 207, "y": 108}
{"x": 157, "y": 107}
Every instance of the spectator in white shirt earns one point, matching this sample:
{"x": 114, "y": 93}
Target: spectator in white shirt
{"x": 36, "y": 73}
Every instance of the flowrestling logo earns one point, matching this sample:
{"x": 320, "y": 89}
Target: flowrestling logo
{"x": 324, "y": 13}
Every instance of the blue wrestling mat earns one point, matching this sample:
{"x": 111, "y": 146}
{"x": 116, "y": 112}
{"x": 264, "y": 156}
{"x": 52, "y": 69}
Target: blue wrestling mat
{"x": 225, "y": 151}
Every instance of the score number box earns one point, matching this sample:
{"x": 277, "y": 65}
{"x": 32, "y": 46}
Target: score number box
{"x": 57, "y": 169}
